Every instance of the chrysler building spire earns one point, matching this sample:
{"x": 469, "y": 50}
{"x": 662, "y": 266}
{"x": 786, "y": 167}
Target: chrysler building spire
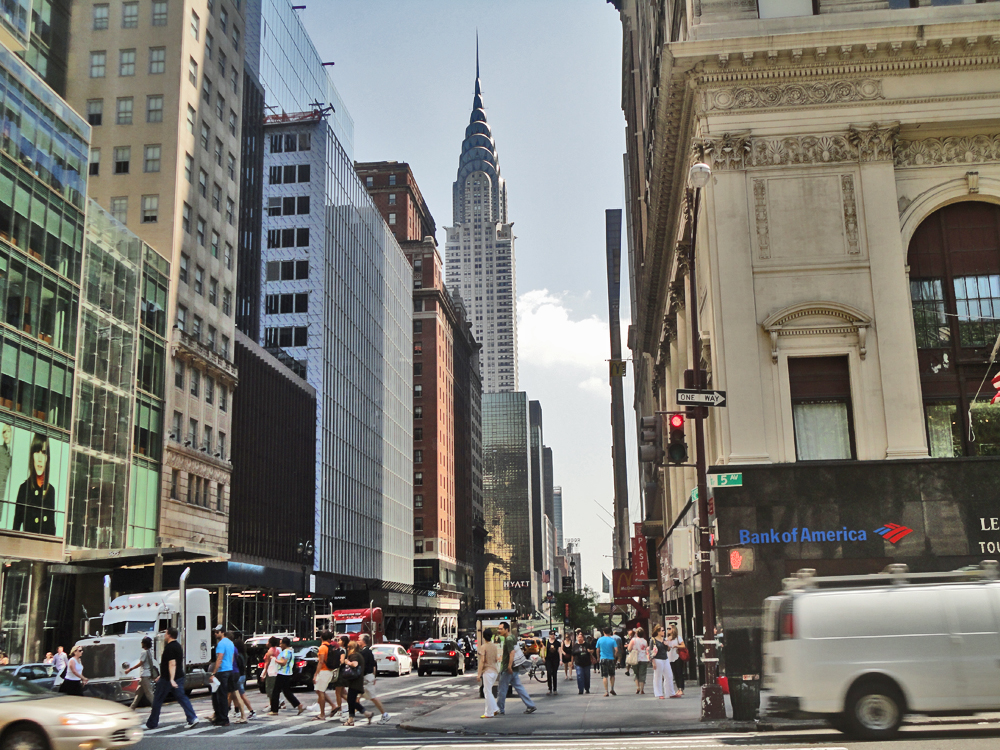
{"x": 479, "y": 252}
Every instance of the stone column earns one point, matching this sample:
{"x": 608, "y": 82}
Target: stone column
{"x": 897, "y": 348}
{"x": 37, "y": 600}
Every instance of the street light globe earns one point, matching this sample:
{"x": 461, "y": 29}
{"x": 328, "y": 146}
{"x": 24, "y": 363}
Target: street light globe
{"x": 699, "y": 174}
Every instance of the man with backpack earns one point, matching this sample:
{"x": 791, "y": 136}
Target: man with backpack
{"x": 512, "y": 660}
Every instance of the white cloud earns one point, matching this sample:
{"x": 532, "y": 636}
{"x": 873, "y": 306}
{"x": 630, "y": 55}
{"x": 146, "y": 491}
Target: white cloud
{"x": 548, "y": 337}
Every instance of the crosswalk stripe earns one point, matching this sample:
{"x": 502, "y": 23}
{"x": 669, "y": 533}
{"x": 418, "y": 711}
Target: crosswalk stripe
{"x": 328, "y": 730}
{"x": 161, "y": 728}
{"x": 196, "y": 730}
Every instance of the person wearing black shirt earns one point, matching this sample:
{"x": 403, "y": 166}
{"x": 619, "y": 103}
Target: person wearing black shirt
{"x": 371, "y": 677}
{"x": 582, "y": 660}
{"x": 171, "y": 682}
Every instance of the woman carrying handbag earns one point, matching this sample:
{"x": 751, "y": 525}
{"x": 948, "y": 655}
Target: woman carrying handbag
{"x": 638, "y": 659}
{"x": 678, "y": 657}
{"x": 353, "y": 672}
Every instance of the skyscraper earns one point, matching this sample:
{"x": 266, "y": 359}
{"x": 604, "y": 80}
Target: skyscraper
{"x": 479, "y": 251}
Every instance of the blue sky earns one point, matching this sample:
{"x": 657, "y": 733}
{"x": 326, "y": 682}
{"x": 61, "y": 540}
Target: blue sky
{"x": 551, "y": 76}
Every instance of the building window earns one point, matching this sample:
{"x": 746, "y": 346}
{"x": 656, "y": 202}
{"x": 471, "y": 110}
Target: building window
{"x": 95, "y": 162}
{"x": 220, "y": 106}
{"x": 231, "y": 213}
{"x": 227, "y": 301}
{"x": 231, "y": 166}
{"x": 213, "y": 292}
{"x": 130, "y": 15}
{"x": 223, "y": 391}
{"x": 203, "y": 183}
{"x": 192, "y": 427}
{"x": 123, "y": 155}
{"x": 235, "y": 80}
{"x": 150, "y": 208}
{"x": 418, "y": 326}
{"x": 418, "y": 479}
{"x": 954, "y": 260}
{"x": 209, "y": 43}
{"x": 196, "y": 327}
{"x": 123, "y": 114}
{"x": 183, "y": 267}
{"x": 821, "y": 408}
{"x": 418, "y": 457}
{"x": 206, "y": 89}
{"x": 95, "y": 111}
{"x": 175, "y": 478}
{"x": 151, "y": 159}
{"x": 418, "y": 412}
{"x": 214, "y": 247}
{"x": 200, "y": 232}
{"x": 206, "y": 134}
{"x": 178, "y": 383}
{"x": 159, "y": 13}
{"x": 392, "y": 218}
{"x": 233, "y": 122}
{"x": 119, "y": 208}
{"x": 392, "y": 199}
{"x": 418, "y": 523}
{"x": 418, "y": 546}
{"x": 223, "y": 19}
{"x": 154, "y": 108}
{"x": 418, "y": 501}
{"x": 192, "y": 71}
{"x": 190, "y": 119}
{"x": 199, "y": 280}
{"x": 157, "y": 60}
{"x": 418, "y": 391}
{"x": 100, "y": 17}
{"x": 195, "y": 25}
{"x": 182, "y": 317}
{"x": 207, "y": 443}
{"x": 229, "y": 256}
{"x": 186, "y": 219}
{"x": 222, "y": 63}
{"x": 126, "y": 62}
{"x": 236, "y": 39}
{"x": 219, "y": 490}
{"x": 392, "y": 179}
{"x": 98, "y": 64}
{"x": 369, "y": 181}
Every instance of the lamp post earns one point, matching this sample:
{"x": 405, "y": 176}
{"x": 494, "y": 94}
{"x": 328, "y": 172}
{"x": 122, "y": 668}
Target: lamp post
{"x": 712, "y": 703}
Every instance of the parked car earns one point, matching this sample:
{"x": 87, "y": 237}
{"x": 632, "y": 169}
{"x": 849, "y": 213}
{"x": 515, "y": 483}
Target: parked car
{"x": 858, "y": 650}
{"x": 392, "y": 658}
{"x": 414, "y": 651}
{"x": 43, "y": 675}
{"x": 440, "y": 656}
{"x": 32, "y": 718}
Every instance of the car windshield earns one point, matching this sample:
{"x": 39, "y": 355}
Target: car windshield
{"x": 15, "y": 689}
{"x": 386, "y": 649}
{"x": 439, "y": 646}
{"x": 132, "y": 626}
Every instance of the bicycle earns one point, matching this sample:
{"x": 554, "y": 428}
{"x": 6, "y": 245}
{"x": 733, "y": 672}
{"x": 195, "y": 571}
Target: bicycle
{"x": 537, "y": 670}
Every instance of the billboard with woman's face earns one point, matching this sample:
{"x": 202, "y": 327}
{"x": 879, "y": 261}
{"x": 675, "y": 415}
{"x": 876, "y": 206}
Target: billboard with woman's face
{"x": 33, "y": 471}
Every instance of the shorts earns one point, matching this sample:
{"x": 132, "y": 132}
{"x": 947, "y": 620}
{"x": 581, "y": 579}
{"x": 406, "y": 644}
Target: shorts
{"x": 241, "y": 685}
{"x": 323, "y": 680}
{"x": 607, "y": 667}
{"x": 370, "y": 692}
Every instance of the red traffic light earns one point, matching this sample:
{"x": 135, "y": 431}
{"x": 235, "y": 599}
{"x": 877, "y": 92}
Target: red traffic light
{"x": 676, "y": 421}
{"x": 741, "y": 560}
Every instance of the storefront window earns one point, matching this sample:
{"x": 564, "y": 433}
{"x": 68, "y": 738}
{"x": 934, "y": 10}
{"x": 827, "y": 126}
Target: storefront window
{"x": 944, "y": 434}
{"x": 821, "y": 408}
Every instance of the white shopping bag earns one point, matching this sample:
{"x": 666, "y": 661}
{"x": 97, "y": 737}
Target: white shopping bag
{"x": 214, "y": 683}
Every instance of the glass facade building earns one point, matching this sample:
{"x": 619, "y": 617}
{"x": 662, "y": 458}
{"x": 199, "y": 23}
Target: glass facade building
{"x": 507, "y": 503}
{"x": 118, "y": 435}
{"x": 336, "y": 298}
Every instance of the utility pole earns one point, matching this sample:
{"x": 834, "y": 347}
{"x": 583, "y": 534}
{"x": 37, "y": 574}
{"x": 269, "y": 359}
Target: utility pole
{"x": 712, "y": 703}
{"x": 613, "y": 243}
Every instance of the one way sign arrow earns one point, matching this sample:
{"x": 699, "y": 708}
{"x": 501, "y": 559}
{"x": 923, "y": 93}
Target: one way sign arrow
{"x": 702, "y": 398}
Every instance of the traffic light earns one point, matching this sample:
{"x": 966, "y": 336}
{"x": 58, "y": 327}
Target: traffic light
{"x": 651, "y": 440}
{"x": 677, "y": 450}
{"x": 741, "y": 560}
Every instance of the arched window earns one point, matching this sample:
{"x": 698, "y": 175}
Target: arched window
{"x": 954, "y": 260}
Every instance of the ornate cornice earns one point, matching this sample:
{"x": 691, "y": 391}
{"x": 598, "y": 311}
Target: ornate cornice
{"x": 973, "y": 149}
{"x": 794, "y": 94}
{"x": 743, "y": 151}
{"x": 817, "y": 318}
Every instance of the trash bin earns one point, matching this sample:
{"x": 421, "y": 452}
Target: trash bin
{"x": 744, "y": 694}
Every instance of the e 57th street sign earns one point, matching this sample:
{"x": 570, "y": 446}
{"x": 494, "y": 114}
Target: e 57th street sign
{"x": 701, "y": 398}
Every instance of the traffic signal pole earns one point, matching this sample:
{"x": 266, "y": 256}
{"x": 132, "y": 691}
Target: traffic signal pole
{"x": 712, "y": 703}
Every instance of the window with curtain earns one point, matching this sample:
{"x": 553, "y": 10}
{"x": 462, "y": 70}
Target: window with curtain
{"x": 821, "y": 408}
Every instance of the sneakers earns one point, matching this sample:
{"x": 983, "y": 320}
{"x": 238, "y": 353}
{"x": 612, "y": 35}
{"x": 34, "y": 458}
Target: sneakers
{"x": 193, "y": 724}
{"x": 251, "y": 715}
{"x": 531, "y": 710}
{"x": 384, "y": 719}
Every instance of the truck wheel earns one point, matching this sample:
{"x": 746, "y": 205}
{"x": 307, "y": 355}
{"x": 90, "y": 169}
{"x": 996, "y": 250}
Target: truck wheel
{"x": 874, "y": 710}
{"x": 25, "y": 739}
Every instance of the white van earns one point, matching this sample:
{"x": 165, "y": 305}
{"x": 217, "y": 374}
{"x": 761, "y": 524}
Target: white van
{"x": 863, "y": 651}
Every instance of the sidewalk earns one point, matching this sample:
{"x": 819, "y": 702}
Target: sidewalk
{"x": 625, "y": 714}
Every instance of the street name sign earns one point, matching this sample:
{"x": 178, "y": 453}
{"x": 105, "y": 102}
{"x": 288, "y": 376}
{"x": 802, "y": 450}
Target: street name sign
{"x": 725, "y": 480}
{"x": 701, "y": 398}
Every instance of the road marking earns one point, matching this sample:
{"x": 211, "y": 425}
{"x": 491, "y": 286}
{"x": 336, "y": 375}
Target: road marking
{"x": 196, "y": 730}
{"x": 328, "y": 730}
{"x": 411, "y": 688}
{"x": 161, "y": 728}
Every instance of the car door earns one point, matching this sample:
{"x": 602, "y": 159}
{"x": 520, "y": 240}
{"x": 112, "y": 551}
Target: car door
{"x": 975, "y": 644}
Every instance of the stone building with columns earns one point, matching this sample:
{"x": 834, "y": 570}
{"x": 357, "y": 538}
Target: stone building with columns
{"x": 848, "y": 260}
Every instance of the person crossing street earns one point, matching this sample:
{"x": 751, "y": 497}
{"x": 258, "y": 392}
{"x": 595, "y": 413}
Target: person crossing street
{"x": 171, "y": 682}
{"x": 509, "y": 675}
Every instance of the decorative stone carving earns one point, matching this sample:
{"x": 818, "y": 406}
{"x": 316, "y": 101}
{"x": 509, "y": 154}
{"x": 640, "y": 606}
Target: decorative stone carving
{"x": 796, "y": 94}
{"x": 740, "y": 152}
{"x": 728, "y": 152}
{"x": 850, "y": 214}
{"x": 956, "y": 149}
{"x": 760, "y": 217}
{"x": 817, "y": 318}
{"x": 972, "y": 178}
{"x": 874, "y": 143}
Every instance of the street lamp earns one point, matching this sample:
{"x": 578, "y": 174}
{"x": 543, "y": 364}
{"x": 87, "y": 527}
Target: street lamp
{"x": 712, "y": 703}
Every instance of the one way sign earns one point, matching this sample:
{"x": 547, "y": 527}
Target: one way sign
{"x": 702, "y": 398}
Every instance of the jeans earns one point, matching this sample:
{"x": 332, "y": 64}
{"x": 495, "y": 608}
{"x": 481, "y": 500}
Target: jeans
{"x": 583, "y": 678}
{"x": 512, "y": 678}
{"x": 353, "y": 704}
{"x": 220, "y": 698}
{"x": 163, "y": 691}
{"x": 677, "y": 666}
{"x": 489, "y": 680}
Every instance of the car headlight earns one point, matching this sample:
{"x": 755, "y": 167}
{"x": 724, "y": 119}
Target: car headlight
{"x": 91, "y": 721}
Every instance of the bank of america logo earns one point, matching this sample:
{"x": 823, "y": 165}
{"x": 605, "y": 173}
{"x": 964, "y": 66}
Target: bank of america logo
{"x": 893, "y": 532}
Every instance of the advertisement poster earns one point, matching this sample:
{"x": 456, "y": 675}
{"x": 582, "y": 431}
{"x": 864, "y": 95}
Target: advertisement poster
{"x": 33, "y": 479}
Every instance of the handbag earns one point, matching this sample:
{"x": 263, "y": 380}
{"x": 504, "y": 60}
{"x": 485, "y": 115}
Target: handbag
{"x": 632, "y": 659}
{"x": 682, "y": 653}
{"x": 352, "y": 672}
{"x": 520, "y": 661}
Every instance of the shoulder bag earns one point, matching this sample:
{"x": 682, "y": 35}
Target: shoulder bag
{"x": 351, "y": 671}
{"x": 633, "y": 657}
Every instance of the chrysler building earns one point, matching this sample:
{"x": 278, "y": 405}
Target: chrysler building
{"x": 479, "y": 252}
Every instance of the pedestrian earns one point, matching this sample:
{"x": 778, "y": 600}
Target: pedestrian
{"x": 74, "y": 681}
{"x": 623, "y": 654}
{"x": 663, "y": 675}
{"x": 488, "y": 672}
{"x": 509, "y": 675}
{"x": 283, "y": 680}
{"x": 269, "y": 672}
{"x": 583, "y": 661}
{"x": 567, "y": 655}
{"x": 4, "y": 659}
{"x": 171, "y": 682}
{"x": 607, "y": 650}
{"x": 225, "y": 672}
{"x": 639, "y": 646}
{"x": 553, "y": 654}
{"x": 241, "y": 679}
{"x": 676, "y": 663}
{"x": 354, "y": 674}
{"x": 59, "y": 661}
{"x": 48, "y": 658}
{"x": 371, "y": 677}
{"x": 146, "y": 668}
{"x": 324, "y": 675}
